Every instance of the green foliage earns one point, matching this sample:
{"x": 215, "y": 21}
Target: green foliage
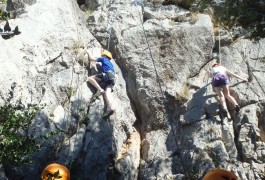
{"x": 51, "y": 134}
{"x": 89, "y": 11}
{"x": 263, "y": 59}
{"x": 3, "y": 1}
{"x": 83, "y": 116}
{"x": 192, "y": 160}
{"x": 215, "y": 157}
{"x": 155, "y": 2}
{"x": 245, "y": 13}
{"x": 184, "y": 94}
{"x": 192, "y": 164}
{"x": 4, "y": 15}
{"x": 70, "y": 91}
{"x": 15, "y": 145}
{"x": 101, "y": 18}
{"x": 250, "y": 14}
{"x": 75, "y": 47}
{"x": 82, "y": 60}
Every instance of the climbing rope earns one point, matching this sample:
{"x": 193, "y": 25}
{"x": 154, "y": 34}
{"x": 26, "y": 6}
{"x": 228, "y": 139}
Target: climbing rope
{"x": 161, "y": 91}
{"x": 219, "y": 48}
{"x": 108, "y": 24}
{"x": 71, "y": 81}
{"x": 110, "y": 30}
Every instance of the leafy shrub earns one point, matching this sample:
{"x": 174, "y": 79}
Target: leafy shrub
{"x": 101, "y": 18}
{"x": 4, "y": 15}
{"x": 89, "y": 11}
{"x": 245, "y": 13}
{"x": 250, "y": 14}
{"x": 3, "y": 1}
{"x": 15, "y": 119}
{"x": 15, "y": 145}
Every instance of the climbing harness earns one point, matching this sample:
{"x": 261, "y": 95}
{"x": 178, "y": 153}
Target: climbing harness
{"x": 161, "y": 91}
{"x": 78, "y": 85}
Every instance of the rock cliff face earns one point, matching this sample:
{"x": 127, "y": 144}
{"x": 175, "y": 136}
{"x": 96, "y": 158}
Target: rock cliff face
{"x": 165, "y": 124}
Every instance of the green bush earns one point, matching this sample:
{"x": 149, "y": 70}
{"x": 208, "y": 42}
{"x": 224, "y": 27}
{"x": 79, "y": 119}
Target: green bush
{"x": 4, "y": 15}
{"x": 89, "y": 11}
{"x": 101, "y": 18}
{"x": 15, "y": 143}
{"x": 231, "y": 13}
{"x": 3, "y": 1}
{"x": 250, "y": 14}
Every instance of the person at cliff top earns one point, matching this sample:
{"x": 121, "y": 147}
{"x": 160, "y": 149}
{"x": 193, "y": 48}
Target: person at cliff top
{"x": 220, "y": 82}
{"x": 107, "y": 76}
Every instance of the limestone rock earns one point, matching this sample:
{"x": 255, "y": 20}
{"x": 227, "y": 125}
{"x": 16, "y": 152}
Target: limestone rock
{"x": 162, "y": 97}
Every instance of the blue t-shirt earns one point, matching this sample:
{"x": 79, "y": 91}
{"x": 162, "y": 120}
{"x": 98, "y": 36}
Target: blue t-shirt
{"x": 106, "y": 64}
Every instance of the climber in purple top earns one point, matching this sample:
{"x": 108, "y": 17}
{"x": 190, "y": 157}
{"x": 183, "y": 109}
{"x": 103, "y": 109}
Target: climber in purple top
{"x": 108, "y": 77}
{"x": 220, "y": 85}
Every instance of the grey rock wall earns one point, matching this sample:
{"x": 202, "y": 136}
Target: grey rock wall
{"x": 170, "y": 89}
{"x": 166, "y": 123}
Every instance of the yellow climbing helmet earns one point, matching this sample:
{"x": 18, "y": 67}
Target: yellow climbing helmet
{"x": 55, "y": 171}
{"x": 107, "y": 53}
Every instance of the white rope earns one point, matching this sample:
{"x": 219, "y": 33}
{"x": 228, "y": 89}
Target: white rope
{"x": 161, "y": 91}
{"x": 220, "y": 60}
{"x": 71, "y": 79}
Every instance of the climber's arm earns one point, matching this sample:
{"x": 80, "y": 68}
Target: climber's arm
{"x": 236, "y": 76}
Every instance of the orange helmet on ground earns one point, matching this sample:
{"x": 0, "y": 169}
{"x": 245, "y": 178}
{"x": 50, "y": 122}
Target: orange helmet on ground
{"x": 219, "y": 174}
{"x": 107, "y": 53}
{"x": 55, "y": 171}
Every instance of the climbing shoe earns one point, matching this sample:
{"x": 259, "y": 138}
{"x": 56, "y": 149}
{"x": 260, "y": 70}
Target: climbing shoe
{"x": 107, "y": 114}
{"x": 237, "y": 108}
{"x": 98, "y": 93}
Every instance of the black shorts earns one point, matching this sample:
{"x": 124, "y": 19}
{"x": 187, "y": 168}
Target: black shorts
{"x": 107, "y": 78}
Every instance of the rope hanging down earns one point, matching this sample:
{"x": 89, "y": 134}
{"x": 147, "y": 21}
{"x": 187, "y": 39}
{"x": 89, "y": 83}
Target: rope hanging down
{"x": 161, "y": 91}
{"x": 78, "y": 84}
{"x": 109, "y": 21}
{"x": 219, "y": 44}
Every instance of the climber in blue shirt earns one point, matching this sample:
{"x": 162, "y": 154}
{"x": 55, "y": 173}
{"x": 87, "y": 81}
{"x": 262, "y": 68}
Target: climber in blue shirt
{"x": 107, "y": 76}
